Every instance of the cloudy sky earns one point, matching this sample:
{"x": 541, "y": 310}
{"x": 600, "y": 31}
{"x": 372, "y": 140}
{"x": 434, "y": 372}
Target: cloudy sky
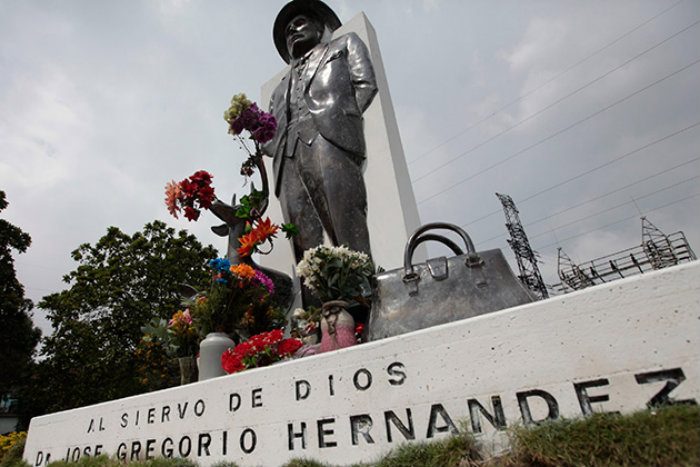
{"x": 586, "y": 113}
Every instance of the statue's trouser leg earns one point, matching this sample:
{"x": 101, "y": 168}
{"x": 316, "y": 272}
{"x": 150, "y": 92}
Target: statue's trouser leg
{"x": 335, "y": 183}
{"x": 298, "y": 209}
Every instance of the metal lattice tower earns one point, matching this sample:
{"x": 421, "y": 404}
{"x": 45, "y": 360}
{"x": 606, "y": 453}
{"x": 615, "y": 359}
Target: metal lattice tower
{"x": 524, "y": 255}
{"x": 657, "y": 246}
{"x": 570, "y": 273}
{"x": 658, "y": 250}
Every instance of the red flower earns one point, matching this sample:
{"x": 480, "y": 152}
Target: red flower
{"x": 231, "y": 362}
{"x": 191, "y": 213}
{"x": 192, "y": 194}
{"x": 359, "y": 328}
{"x": 206, "y": 196}
{"x": 288, "y": 346}
{"x": 202, "y": 177}
{"x": 245, "y": 349}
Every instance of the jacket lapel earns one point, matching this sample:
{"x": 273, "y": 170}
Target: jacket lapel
{"x": 315, "y": 60}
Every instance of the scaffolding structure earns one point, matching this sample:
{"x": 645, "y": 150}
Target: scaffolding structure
{"x": 657, "y": 251}
{"x": 526, "y": 257}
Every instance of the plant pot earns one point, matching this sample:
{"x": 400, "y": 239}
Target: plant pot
{"x": 188, "y": 369}
{"x": 210, "y": 350}
{"x": 337, "y": 326}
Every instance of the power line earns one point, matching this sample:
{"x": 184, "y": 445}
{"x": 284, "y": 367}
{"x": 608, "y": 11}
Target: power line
{"x": 561, "y": 131}
{"x": 613, "y": 191}
{"x": 617, "y": 222}
{"x": 589, "y": 171}
{"x": 553, "y": 104}
{"x": 555, "y": 77}
{"x": 608, "y": 209}
{"x": 561, "y": 211}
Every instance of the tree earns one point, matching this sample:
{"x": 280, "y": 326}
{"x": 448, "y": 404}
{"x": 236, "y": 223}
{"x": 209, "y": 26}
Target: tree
{"x": 18, "y": 336}
{"x": 119, "y": 284}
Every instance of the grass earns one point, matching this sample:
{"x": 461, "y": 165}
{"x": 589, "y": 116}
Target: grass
{"x": 664, "y": 437}
{"x": 668, "y": 436}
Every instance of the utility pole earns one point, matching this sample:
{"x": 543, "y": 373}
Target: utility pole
{"x": 524, "y": 255}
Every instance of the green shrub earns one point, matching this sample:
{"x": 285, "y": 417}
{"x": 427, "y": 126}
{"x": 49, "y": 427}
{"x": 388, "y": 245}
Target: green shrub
{"x": 304, "y": 463}
{"x": 455, "y": 451}
{"x": 104, "y": 461}
{"x": 12, "y": 455}
{"x": 663, "y": 437}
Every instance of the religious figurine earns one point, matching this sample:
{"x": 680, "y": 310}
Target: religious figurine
{"x": 319, "y": 147}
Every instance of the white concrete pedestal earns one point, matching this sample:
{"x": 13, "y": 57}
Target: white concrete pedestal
{"x": 615, "y": 347}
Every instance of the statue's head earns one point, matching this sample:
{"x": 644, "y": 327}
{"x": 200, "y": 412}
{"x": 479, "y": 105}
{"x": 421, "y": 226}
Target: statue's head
{"x": 300, "y": 25}
{"x": 303, "y": 32}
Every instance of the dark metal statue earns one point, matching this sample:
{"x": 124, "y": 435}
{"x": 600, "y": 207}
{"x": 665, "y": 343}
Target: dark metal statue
{"x": 319, "y": 147}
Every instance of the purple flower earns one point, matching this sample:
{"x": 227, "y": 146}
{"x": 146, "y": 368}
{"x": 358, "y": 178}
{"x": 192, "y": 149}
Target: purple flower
{"x": 247, "y": 120}
{"x": 265, "y": 281}
{"x": 267, "y": 126}
{"x": 261, "y": 125}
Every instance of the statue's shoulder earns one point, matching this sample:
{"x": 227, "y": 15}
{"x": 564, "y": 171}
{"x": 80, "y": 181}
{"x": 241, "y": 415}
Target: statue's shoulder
{"x": 345, "y": 39}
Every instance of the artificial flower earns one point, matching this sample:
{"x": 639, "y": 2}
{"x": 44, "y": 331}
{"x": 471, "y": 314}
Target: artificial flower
{"x": 172, "y": 195}
{"x": 232, "y": 362}
{"x": 260, "y": 350}
{"x": 191, "y": 214}
{"x": 248, "y": 243}
{"x": 265, "y": 229}
{"x": 243, "y": 271}
{"x": 287, "y": 347}
{"x": 219, "y": 264}
{"x": 265, "y": 281}
{"x": 191, "y": 194}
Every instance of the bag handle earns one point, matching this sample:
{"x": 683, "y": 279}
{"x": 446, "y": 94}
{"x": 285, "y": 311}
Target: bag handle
{"x": 438, "y": 238}
{"x": 472, "y": 259}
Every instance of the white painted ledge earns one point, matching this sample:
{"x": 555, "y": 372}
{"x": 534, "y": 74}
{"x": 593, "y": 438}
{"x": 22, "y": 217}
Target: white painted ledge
{"x": 613, "y": 347}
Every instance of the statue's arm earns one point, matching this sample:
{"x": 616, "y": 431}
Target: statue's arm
{"x": 361, "y": 71}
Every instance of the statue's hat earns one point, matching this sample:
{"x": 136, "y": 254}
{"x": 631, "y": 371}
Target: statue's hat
{"x": 315, "y": 8}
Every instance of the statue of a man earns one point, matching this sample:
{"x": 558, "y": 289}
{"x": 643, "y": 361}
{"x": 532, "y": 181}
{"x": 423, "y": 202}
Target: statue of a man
{"x": 319, "y": 147}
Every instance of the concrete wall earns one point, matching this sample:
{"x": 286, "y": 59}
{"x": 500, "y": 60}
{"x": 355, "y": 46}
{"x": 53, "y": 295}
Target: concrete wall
{"x": 615, "y": 347}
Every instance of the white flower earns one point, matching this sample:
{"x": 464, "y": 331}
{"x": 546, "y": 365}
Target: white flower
{"x": 299, "y": 313}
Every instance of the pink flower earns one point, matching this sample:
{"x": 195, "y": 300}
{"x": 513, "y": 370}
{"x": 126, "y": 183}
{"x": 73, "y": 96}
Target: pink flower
{"x": 172, "y": 195}
{"x": 265, "y": 281}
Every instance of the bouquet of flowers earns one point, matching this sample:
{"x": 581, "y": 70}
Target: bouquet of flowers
{"x": 245, "y": 115}
{"x": 195, "y": 193}
{"x": 260, "y": 350}
{"x": 240, "y": 299}
{"x": 336, "y": 273}
{"x": 191, "y": 195}
{"x": 178, "y": 336}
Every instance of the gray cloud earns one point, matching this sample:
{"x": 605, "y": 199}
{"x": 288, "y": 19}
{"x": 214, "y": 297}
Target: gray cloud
{"x": 101, "y": 103}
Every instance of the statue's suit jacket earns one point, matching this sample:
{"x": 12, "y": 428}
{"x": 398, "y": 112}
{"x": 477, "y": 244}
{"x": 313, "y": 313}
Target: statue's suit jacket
{"x": 339, "y": 85}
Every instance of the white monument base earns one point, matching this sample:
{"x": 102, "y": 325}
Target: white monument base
{"x": 620, "y": 346}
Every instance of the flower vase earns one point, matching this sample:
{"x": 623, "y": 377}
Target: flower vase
{"x": 188, "y": 369}
{"x": 210, "y": 350}
{"x": 337, "y": 326}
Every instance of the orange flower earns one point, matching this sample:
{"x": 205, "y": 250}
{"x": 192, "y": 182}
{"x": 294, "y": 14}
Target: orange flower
{"x": 243, "y": 271}
{"x": 248, "y": 243}
{"x": 265, "y": 229}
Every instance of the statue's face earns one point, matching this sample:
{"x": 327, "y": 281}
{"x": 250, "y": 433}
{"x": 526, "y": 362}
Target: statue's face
{"x": 302, "y": 35}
